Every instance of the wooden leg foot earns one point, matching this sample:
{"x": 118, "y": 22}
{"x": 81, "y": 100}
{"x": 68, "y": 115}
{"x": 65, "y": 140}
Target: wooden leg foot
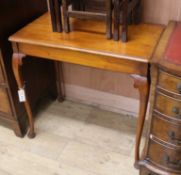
{"x": 31, "y": 135}
{"x": 18, "y": 133}
{"x": 143, "y": 85}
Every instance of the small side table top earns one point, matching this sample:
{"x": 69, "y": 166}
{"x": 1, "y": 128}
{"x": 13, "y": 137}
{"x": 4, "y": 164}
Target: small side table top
{"x": 89, "y": 36}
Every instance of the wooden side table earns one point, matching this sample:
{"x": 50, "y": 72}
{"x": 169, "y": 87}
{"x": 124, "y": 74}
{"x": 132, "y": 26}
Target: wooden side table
{"x": 88, "y": 47}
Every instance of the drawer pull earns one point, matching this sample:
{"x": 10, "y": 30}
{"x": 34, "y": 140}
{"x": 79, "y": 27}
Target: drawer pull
{"x": 173, "y": 138}
{"x": 176, "y": 111}
{"x": 173, "y": 164}
{"x": 179, "y": 87}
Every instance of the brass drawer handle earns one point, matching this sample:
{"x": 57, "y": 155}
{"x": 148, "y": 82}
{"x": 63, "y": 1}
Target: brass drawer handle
{"x": 179, "y": 88}
{"x": 176, "y": 111}
{"x": 173, "y": 137}
{"x": 172, "y": 164}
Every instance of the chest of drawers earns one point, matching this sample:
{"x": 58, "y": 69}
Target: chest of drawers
{"x": 162, "y": 152}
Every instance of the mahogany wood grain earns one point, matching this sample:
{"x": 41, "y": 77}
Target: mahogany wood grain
{"x": 5, "y": 102}
{"x": 167, "y": 158}
{"x": 143, "y": 39}
{"x": 169, "y": 132}
{"x": 169, "y": 82}
{"x": 143, "y": 85}
{"x": 16, "y": 65}
{"x": 168, "y": 106}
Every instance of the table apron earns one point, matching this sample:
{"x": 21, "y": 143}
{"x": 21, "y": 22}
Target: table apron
{"x": 85, "y": 59}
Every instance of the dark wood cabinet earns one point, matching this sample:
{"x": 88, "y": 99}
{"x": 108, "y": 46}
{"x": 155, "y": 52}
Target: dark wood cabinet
{"x": 14, "y": 15}
{"x": 162, "y": 153}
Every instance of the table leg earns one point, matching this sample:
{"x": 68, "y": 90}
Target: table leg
{"x": 125, "y": 22}
{"x": 143, "y": 85}
{"x": 116, "y": 19}
{"x": 60, "y": 81}
{"x": 16, "y": 64}
{"x": 109, "y": 19}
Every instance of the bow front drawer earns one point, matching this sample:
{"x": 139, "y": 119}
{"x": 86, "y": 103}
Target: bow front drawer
{"x": 169, "y": 82}
{"x": 167, "y": 131}
{"x": 168, "y": 106}
{"x": 168, "y": 158}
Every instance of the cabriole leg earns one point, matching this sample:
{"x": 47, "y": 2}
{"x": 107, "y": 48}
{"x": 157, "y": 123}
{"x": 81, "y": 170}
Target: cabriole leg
{"x": 143, "y": 86}
{"x": 16, "y": 64}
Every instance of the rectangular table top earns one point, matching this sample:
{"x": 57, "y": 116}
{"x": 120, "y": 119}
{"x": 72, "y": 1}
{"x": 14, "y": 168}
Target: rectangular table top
{"x": 89, "y": 37}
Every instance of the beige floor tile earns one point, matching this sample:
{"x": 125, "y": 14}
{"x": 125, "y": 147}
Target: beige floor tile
{"x": 56, "y": 124}
{"x": 112, "y": 120}
{"x": 18, "y": 162}
{"x": 107, "y": 138}
{"x": 45, "y": 144}
{"x": 2, "y": 172}
{"x": 97, "y": 160}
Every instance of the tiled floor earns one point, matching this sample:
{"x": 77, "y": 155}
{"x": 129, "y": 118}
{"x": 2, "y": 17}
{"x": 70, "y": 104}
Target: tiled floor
{"x": 72, "y": 139}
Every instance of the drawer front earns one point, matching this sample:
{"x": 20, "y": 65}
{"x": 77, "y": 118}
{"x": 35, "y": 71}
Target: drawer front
{"x": 169, "y": 82}
{"x": 167, "y": 158}
{"x": 145, "y": 171}
{"x": 168, "y": 106}
{"x": 166, "y": 131}
{"x": 4, "y": 102}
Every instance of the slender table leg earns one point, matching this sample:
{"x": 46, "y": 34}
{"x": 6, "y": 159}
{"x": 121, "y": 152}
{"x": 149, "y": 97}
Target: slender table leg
{"x": 66, "y": 16}
{"x": 58, "y": 14}
{"x": 53, "y": 15}
{"x": 116, "y": 19}
{"x": 125, "y": 22}
{"x": 109, "y": 19}
{"x": 60, "y": 81}
{"x": 16, "y": 64}
{"x": 143, "y": 85}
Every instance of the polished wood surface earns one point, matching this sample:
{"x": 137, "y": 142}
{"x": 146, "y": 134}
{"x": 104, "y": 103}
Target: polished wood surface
{"x": 170, "y": 132}
{"x": 167, "y": 158}
{"x": 169, "y": 82}
{"x": 5, "y": 102}
{"x": 143, "y": 86}
{"x": 143, "y": 39}
{"x": 168, "y": 106}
